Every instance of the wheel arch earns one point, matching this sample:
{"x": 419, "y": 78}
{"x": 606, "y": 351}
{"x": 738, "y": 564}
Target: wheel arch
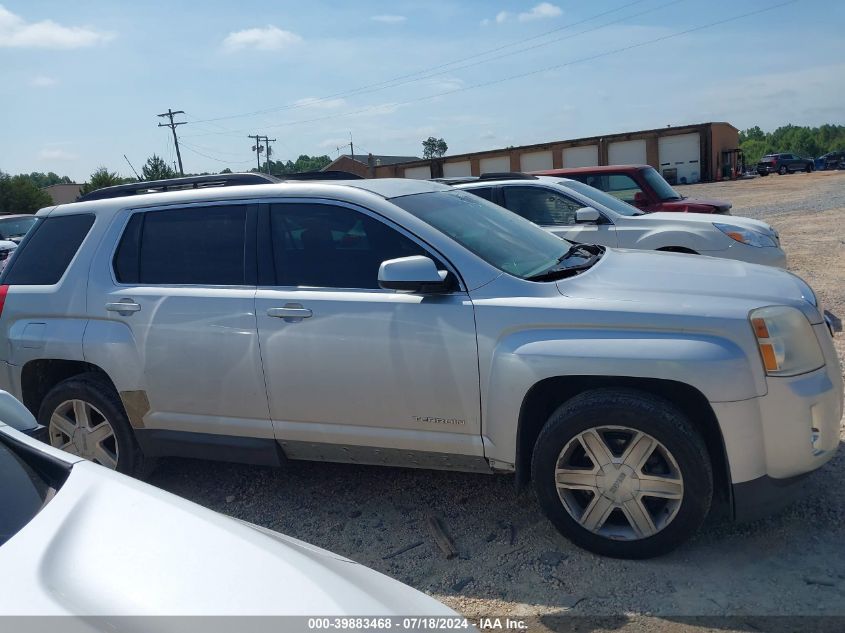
{"x": 547, "y": 395}
{"x": 39, "y": 376}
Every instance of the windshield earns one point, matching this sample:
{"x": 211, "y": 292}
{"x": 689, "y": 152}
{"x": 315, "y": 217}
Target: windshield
{"x": 22, "y": 494}
{"x": 15, "y": 227}
{"x": 662, "y": 188}
{"x": 499, "y": 237}
{"x": 611, "y": 202}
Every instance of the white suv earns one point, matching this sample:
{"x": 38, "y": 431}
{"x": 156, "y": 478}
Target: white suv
{"x": 580, "y": 213}
{"x": 406, "y": 323}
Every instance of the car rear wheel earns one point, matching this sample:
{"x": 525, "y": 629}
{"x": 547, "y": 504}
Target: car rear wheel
{"x": 622, "y": 473}
{"x": 782, "y": 170}
{"x": 84, "y": 416}
{"x": 808, "y": 168}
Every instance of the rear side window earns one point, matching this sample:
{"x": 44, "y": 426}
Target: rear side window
{"x": 44, "y": 255}
{"x": 197, "y": 246}
{"x": 540, "y": 205}
{"x": 483, "y": 192}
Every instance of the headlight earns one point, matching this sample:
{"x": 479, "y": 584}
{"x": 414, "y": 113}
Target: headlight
{"x": 745, "y": 236}
{"x": 787, "y": 342}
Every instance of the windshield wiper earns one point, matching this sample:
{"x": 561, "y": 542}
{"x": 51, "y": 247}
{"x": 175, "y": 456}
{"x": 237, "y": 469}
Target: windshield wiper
{"x": 593, "y": 254}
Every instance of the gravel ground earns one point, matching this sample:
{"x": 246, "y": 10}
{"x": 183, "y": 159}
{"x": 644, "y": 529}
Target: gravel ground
{"x": 512, "y": 562}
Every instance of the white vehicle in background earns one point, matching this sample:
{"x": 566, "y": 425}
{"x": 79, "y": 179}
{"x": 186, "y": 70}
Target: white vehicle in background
{"x": 83, "y": 540}
{"x": 580, "y": 213}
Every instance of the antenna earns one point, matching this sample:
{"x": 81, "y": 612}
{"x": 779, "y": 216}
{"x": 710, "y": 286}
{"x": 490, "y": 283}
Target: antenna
{"x": 132, "y": 168}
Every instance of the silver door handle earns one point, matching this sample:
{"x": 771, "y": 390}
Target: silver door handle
{"x": 291, "y": 313}
{"x": 124, "y": 307}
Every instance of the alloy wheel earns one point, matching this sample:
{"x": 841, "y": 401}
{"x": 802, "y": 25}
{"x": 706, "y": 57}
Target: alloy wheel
{"x": 79, "y": 428}
{"x": 619, "y": 482}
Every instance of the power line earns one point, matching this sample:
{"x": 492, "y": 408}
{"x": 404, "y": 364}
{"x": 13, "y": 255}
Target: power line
{"x": 173, "y": 125}
{"x": 543, "y": 69}
{"x": 219, "y": 160}
{"x": 389, "y": 83}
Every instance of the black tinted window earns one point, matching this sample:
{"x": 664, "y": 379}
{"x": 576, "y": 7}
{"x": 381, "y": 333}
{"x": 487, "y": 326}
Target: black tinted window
{"x": 329, "y": 246}
{"x": 22, "y": 494}
{"x": 199, "y": 245}
{"x": 542, "y": 206}
{"x": 44, "y": 255}
{"x": 483, "y": 192}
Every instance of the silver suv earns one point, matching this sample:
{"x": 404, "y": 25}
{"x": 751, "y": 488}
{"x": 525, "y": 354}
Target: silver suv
{"x": 406, "y": 323}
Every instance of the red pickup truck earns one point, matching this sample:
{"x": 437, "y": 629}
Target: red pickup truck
{"x": 641, "y": 186}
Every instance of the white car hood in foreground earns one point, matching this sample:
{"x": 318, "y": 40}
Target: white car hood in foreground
{"x": 110, "y": 545}
{"x": 672, "y": 282}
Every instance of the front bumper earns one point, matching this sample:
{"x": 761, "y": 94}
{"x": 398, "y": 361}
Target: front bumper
{"x": 773, "y": 440}
{"x": 766, "y": 169}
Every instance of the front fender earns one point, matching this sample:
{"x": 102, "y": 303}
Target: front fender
{"x": 692, "y": 239}
{"x": 715, "y": 366}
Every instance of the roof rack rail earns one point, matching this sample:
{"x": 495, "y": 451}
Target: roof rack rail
{"x": 331, "y": 174}
{"x": 454, "y": 180}
{"x": 178, "y": 184}
{"x": 507, "y": 175}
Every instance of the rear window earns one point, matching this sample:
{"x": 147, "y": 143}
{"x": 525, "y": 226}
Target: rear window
{"x": 46, "y": 252}
{"x": 192, "y": 246}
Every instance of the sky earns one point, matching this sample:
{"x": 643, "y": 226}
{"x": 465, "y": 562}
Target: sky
{"x": 81, "y": 82}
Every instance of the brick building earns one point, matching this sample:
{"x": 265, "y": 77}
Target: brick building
{"x": 683, "y": 154}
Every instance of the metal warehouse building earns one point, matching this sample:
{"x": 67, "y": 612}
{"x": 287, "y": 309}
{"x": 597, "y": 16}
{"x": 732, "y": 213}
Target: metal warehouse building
{"x": 686, "y": 154}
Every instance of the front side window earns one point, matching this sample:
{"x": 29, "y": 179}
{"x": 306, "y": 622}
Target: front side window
{"x": 611, "y": 202}
{"x": 542, "y": 206}
{"x": 330, "y": 246}
{"x": 501, "y": 238}
{"x": 620, "y": 186}
{"x": 184, "y": 246}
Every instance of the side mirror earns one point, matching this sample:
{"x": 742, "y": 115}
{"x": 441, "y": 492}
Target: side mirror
{"x": 415, "y": 274}
{"x": 587, "y": 215}
{"x": 640, "y": 199}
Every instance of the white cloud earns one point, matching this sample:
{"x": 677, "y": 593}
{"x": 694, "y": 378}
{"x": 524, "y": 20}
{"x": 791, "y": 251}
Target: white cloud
{"x": 15, "y": 32}
{"x": 377, "y": 110}
{"x": 320, "y": 103}
{"x": 56, "y": 153}
{"x": 541, "y": 11}
{"x": 40, "y": 81}
{"x": 270, "y": 38}
{"x": 389, "y": 19}
{"x": 502, "y": 16}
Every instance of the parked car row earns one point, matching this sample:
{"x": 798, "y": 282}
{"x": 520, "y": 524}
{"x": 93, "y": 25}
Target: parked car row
{"x": 417, "y": 324}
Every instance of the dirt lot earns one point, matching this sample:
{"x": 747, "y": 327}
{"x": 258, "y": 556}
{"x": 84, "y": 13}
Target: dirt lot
{"x": 512, "y": 561}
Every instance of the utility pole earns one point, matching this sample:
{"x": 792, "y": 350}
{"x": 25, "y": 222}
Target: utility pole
{"x": 267, "y": 142}
{"x": 351, "y": 147}
{"x": 257, "y": 148}
{"x": 173, "y": 125}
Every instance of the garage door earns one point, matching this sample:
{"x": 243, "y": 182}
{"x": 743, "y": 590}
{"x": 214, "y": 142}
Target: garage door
{"x": 457, "y": 169}
{"x": 680, "y": 157}
{"x": 495, "y": 164}
{"x": 535, "y": 161}
{"x": 420, "y": 173}
{"x": 584, "y": 156}
{"x": 626, "y": 153}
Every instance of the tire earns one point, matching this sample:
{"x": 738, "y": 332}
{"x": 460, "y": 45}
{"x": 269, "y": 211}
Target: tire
{"x": 101, "y": 406}
{"x": 624, "y": 419}
{"x": 808, "y": 169}
{"x": 783, "y": 170}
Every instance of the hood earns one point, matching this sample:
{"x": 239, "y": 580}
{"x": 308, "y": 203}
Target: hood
{"x": 688, "y": 284}
{"x": 720, "y": 205}
{"x": 107, "y": 544}
{"x": 709, "y": 218}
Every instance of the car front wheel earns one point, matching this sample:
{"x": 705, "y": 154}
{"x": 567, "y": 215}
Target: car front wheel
{"x": 84, "y": 416}
{"x": 622, "y": 473}
{"x": 783, "y": 170}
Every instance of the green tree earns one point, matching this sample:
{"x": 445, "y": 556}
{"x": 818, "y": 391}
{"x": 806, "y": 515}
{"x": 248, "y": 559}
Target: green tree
{"x": 157, "y": 169}
{"x": 102, "y": 177}
{"x": 434, "y": 147}
{"x": 42, "y": 180}
{"x": 18, "y": 194}
{"x": 303, "y": 163}
{"x": 806, "y": 141}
